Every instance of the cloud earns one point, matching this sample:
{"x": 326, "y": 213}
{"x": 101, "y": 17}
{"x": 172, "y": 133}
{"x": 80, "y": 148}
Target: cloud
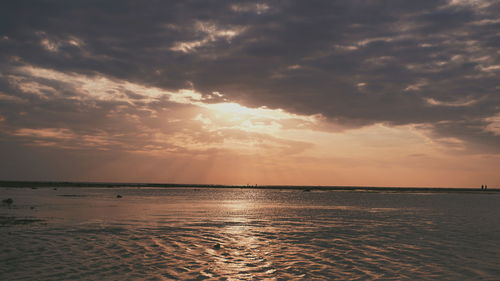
{"x": 148, "y": 76}
{"x": 211, "y": 33}
{"x": 75, "y": 111}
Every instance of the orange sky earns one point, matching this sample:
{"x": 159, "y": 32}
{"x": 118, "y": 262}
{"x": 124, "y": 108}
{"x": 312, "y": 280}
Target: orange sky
{"x": 198, "y": 141}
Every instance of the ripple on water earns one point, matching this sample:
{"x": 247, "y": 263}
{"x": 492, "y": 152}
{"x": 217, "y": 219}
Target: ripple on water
{"x": 342, "y": 243}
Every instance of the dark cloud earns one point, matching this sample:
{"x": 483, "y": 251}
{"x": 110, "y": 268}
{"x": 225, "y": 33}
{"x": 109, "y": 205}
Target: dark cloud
{"x": 355, "y": 62}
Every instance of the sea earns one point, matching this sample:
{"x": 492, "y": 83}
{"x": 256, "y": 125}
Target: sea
{"x": 188, "y": 233}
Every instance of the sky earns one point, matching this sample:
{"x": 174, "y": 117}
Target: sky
{"x": 359, "y": 92}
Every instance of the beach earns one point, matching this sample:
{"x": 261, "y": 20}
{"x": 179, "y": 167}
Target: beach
{"x": 195, "y": 233}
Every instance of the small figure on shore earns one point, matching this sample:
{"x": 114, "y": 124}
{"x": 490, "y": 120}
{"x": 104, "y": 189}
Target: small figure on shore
{"x": 482, "y": 187}
{"x": 119, "y": 196}
{"x": 485, "y": 186}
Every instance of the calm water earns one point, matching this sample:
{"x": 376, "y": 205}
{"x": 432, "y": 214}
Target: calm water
{"x": 239, "y": 234}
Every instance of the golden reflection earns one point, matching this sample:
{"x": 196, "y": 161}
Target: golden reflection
{"x": 240, "y": 252}
{"x": 238, "y": 205}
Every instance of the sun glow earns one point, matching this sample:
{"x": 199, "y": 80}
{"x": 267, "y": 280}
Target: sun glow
{"x": 232, "y": 108}
{"x": 229, "y": 107}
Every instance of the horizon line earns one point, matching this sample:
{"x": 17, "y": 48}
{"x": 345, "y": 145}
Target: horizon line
{"x": 47, "y": 183}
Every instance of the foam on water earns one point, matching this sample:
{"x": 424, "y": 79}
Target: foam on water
{"x": 236, "y": 234}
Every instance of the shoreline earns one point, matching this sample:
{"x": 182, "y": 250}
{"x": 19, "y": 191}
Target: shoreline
{"x": 42, "y": 184}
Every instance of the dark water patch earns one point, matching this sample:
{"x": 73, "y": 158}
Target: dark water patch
{"x": 12, "y": 221}
{"x": 103, "y": 230}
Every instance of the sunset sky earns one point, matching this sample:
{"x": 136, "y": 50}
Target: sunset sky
{"x": 358, "y": 92}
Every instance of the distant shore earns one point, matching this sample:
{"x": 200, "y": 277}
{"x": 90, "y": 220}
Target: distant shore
{"x": 41, "y": 184}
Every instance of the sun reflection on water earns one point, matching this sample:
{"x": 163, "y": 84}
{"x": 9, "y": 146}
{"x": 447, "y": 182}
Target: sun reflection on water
{"x": 242, "y": 252}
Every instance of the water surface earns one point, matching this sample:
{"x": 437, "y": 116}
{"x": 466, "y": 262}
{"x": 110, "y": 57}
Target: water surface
{"x": 247, "y": 234}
